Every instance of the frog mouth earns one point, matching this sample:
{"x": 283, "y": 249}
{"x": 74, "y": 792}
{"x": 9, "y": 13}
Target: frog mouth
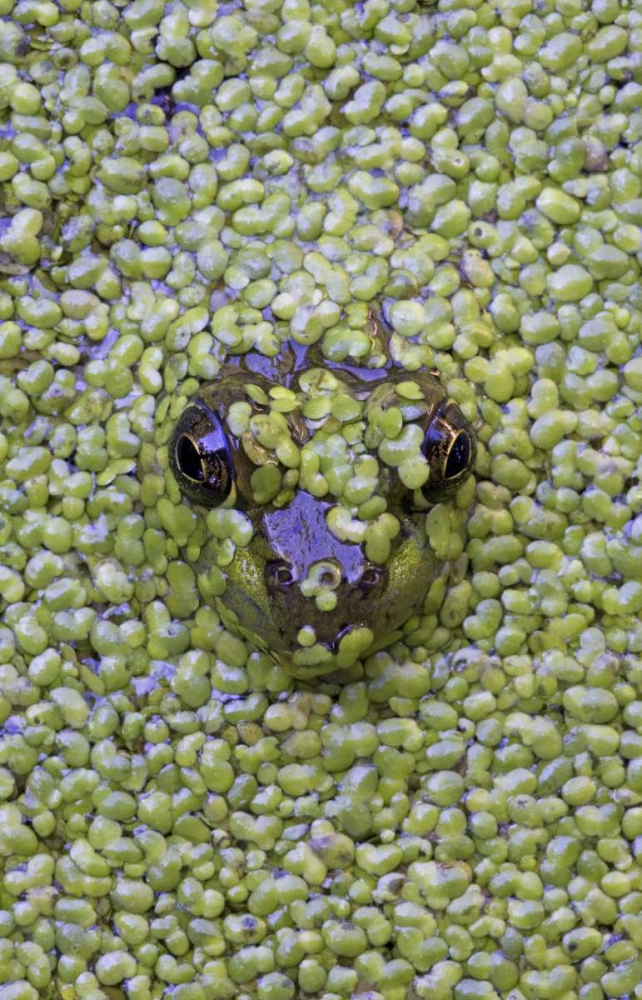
{"x": 301, "y": 660}
{"x": 339, "y": 656}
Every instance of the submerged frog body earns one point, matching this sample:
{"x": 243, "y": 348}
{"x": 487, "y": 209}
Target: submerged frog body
{"x": 319, "y": 488}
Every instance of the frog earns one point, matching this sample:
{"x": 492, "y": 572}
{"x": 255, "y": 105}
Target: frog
{"x": 329, "y": 494}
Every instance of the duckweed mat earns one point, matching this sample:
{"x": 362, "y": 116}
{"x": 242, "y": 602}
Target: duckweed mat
{"x": 460, "y": 816}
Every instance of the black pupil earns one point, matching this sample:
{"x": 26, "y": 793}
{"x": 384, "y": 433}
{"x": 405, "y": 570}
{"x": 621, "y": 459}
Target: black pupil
{"x": 188, "y": 459}
{"x": 458, "y": 456}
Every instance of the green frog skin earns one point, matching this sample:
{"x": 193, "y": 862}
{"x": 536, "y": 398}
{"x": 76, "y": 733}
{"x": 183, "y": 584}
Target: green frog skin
{"x": 314, "y": 485}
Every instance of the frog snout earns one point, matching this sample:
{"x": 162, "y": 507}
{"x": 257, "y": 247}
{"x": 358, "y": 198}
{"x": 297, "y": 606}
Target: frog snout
{"x": 303, "y": 550}
{"x": 321, "y": 598}
{"x": 298, "y": 585}
{"x": 313, "y": 578}
{"x": 322, "y": 580}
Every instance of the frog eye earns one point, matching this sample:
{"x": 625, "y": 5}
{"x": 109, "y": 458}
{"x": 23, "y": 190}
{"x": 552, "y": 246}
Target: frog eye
{"x": 458, "y": 457}
{"x": 450, "y": 449}
{"x": 200, "y": 458}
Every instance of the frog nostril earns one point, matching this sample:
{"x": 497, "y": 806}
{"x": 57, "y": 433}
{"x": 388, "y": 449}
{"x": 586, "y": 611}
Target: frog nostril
{"x": 279, "y": 574}
{"x": 371, "y": 576}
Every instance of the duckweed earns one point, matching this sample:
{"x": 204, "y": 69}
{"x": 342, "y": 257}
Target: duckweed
{"x": 457, "y": 812}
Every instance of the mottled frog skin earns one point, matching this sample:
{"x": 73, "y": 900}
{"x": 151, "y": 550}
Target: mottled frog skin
{"x": 316, "y": 484}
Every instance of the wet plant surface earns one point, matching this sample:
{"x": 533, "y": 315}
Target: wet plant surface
{"x": 186, "y": 188}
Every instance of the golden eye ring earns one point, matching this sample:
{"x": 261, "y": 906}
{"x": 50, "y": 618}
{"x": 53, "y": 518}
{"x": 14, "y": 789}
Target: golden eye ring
{"x": 458, "y": 453}
{"x": 189, "y": 459}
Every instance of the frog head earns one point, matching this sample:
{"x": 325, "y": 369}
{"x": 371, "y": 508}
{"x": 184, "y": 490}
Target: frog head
{"x": 316, "y": 494}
